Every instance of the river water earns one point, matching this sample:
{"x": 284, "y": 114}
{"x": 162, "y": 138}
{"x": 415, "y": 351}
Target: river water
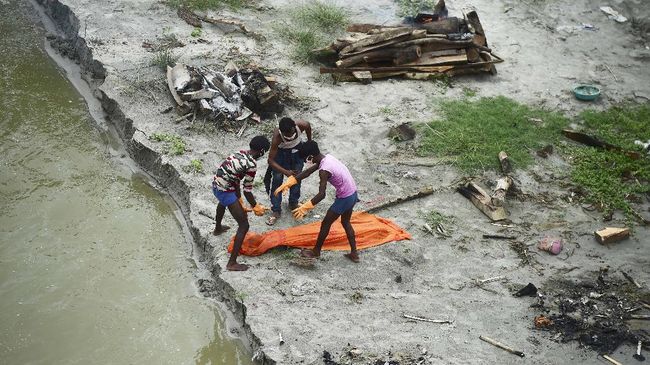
{"x": 94, "y": 266}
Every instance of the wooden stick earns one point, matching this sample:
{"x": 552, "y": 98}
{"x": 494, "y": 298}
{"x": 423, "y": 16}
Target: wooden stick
{"x": 426, "y": 319}
{"x": 406, "y": 68}
{"x": 631, "y": 280}
{"x": 489, "y": 280}
{"x": 640, "y": 316}
{"x": 498, "y": 237}
{"x": 422, "y": 193}
{"x": 501, "y": 346}
{"x": 606, "y": 357}
{"x": 645, "y": 304}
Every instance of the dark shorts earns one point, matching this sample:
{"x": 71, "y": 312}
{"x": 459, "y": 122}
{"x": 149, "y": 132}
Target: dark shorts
{"x": 342, "y": 205}
{"x": 225, "y": 197}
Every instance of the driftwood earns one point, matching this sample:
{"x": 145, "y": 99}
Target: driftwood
{"x": 422, "y": 193}
{"x": 482, "y": 201}
{"x": 501, "y": 346}
{"x": 415, "y": 318}
{"x": 506, "y": 168}
{"x": 611, "y": 234}
{"x": 594, "y": 142}
{"x": 499, "y": 195}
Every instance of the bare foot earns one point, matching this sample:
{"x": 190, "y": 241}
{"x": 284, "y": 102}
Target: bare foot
{"x": 353, "y": 256}
{"x": 219, "y": 230}
{"x": 237, "y": 267}
{"x": 309, "y": 254}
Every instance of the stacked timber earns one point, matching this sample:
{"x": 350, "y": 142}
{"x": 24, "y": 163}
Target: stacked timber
{"x": 447, "y": 46}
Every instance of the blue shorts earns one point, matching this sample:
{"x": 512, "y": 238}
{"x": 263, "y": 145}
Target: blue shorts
{"x": 225, "y": 197}
{"x": 342, "y": 205}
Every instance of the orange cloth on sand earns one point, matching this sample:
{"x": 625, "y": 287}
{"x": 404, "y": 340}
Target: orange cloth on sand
{"x": 370, "y": 230}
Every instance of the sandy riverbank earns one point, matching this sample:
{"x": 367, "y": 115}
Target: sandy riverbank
{"x": 339, "y": 305}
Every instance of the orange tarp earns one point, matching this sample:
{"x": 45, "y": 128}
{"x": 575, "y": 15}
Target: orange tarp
{"x": 370, "y": 230}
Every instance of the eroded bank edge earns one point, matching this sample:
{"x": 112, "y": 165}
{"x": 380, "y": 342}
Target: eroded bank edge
{"x": 93, "y": 72}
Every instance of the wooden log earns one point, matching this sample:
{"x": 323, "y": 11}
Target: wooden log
{"x": 594, "y": 142}
{"x": 200, "y": 94}
{"x": 421, "y": 319}
{"x": 407, "y": 55}
{"x": 365, "y": 77}
{"x": 499, "y": 195}
{"x": 434, "y": 44}
{"x": 431, "y": 59}
{"x": 443, "y": 26}
{"x": 366, "y": 28}
{"x": 506, "y": 168}
{"x": 383, "y": 54}
{"x": 472, "y": 55}
{"x": 422, "y": 193}
{"x": 377, "y": 38}
{"x": 611, "y": 234}
{"x": 482, "y": 201}
{"x": 189, "y": 17}
{"x": 415, "y": 34}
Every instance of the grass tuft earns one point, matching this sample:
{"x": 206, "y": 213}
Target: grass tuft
{"x": 163, "y": 58}
{"x": 206, "y": 4}
{"x": 474, "y": 132}
{"x": 174, "y": 145}
{"x": 312, "y": 25}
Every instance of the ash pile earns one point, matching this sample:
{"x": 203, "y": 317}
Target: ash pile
{"x": 231, "y": 95}
{"x": 428, "y": 46}
{"x": 601, "y": 312}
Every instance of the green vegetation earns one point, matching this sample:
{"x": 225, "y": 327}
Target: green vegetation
{"x": 611, "y": 179}
{"x": 469, "y": 92}
{"x": 196, "y": 32}
{"x": 174, "y": 145}
{"x": 163, "y": 58}
{"x": 195, "y": 167}
{"x": 312, "y": 25}
{"x": 434, "y": 218}
{"x": 206, "y": 4}
{"x": 474, "y": 132}
{"x": 413, "y": 7}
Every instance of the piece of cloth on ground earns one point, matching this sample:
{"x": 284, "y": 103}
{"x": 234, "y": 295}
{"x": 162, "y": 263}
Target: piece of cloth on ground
{"x": 370, "y": 230}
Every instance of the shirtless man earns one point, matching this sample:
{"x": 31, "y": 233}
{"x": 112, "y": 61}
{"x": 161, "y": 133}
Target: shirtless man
{"x": 334, "y": 171}
{"x": 240, "y": 167}
{"x": 284, "y": 161}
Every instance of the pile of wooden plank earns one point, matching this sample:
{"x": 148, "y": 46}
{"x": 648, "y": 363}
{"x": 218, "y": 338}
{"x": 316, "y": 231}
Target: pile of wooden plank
{"x": 448, "y": 46}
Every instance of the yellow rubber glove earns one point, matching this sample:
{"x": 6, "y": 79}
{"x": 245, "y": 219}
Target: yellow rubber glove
{"x": 246, "y": 208}
{"x": 259, "y": 209}
{"x": 291, "y": 181}
{"x": 299, "y": 213}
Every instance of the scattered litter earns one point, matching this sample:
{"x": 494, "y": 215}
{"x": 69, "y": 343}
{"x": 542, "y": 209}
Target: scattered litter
{"x": 542, "y": 321}
{"x": 613, "y": 14}
{"x": 501, "y": 346}
{"x": 231, "y": 95}
{"x": 281, "y": 339}
{"x": 638, "y": 355}
{"x": 529, "y": 290}
{"x": 644, "y": 145}
{"x": 611, "y": 234}
{"x": 551, "y": 244}
{"x": 415, "y": 318}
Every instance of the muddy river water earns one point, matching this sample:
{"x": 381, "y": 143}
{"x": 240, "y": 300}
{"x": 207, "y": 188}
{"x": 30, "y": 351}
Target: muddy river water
{"x": 94, "y": 265}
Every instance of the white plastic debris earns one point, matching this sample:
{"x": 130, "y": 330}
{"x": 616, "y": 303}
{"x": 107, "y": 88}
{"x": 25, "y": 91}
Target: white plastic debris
{"x": 613, "y": 14}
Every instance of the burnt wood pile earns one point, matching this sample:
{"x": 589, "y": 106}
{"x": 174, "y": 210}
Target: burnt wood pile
{"x": 422, "y": 50}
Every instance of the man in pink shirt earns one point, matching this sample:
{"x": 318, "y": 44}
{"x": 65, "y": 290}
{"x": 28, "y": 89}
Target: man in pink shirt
{"x": 339, "y": 176}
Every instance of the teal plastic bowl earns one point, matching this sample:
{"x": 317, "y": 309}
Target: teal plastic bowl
{"x": 586, "y": 92}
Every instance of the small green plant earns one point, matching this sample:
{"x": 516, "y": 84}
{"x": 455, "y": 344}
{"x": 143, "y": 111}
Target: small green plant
{"x": 163, "y": 58}
{"x": 195, "y": 167}
{"x": 196, "y": 32}
{"x": 311, "y": 26}
{"x": 386, "y": 110}
{"x": 206, "y": 4}
{"x": 413, "y": 7}
{"x": 174, "y": 145}
{"x": 469, "y": 92}
{"x": 474, "y": 132}
{"x": 435, "y": 218}
{"x": 241, "y": 296}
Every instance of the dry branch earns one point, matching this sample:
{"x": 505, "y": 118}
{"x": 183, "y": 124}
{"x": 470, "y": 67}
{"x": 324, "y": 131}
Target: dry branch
{"x": 422, "y": 193}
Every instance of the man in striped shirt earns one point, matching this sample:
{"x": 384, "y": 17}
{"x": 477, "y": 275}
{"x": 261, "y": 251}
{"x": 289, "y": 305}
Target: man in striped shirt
{"x": 238, "y": 168}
